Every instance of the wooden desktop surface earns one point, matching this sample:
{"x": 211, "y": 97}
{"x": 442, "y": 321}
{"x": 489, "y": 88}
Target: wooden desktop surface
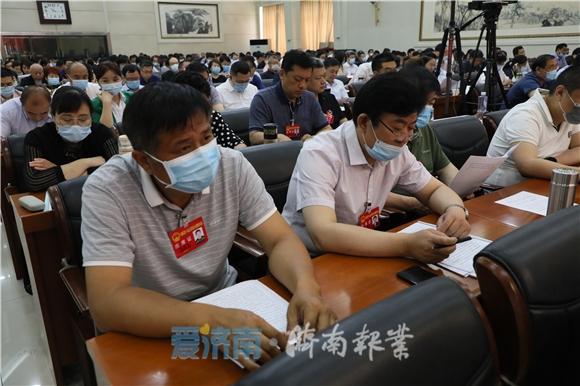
{"x": 348, "y": 285}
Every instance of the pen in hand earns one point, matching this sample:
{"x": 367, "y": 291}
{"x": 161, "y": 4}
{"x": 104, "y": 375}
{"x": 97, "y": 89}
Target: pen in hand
{"x": 459, "y": 240}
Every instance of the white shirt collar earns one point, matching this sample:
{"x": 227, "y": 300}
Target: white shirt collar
{"x": 537, "y": 96}
{"x": 152, "y": 194}
{"x": 355, "y": 153}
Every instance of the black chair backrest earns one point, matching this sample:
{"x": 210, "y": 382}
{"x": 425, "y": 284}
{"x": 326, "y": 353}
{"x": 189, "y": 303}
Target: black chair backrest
{"x": 491, "y": 121}
{"x": 358, "y": 85}
{"x": 267, "y": 82}
{"x": 344, "y": 79}
{"x": 66, "y": 202}
{"x": 15, "y": 152}
{"x": 449, "y": 346}
{"x": 239, "y": 121}
{"x": 461, "y": 137}
{"x": 532, "y": 297}
{"x": 274, "y": 163}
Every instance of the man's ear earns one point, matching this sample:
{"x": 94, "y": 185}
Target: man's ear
{"x": 143, "y": 160}
{"x": 362, "y": 121}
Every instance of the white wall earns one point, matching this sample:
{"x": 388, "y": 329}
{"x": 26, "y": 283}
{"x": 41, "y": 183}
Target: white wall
{"x": 399, "y": 29}
{"x": 132, "y": 25}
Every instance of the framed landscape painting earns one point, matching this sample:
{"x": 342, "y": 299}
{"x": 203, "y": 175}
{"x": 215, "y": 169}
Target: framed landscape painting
{"x": 188, "y": 20}
{"x": 522, "y": 19}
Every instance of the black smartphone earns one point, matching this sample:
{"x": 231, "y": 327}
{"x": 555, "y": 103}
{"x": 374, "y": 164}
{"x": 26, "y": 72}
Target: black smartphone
{"x": 415, "y": 275}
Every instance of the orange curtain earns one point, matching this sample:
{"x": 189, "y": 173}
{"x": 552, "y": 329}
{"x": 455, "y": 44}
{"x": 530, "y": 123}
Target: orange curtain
{"x": 317, "y": 25}
{"x": 275, "y": 27}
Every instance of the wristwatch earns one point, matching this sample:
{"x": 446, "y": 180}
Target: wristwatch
{"x": 459, "y": 206}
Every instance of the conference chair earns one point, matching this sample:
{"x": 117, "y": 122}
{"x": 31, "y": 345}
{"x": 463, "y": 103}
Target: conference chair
{"x": 530, "y": 290}
{"x": 267, "y": 82}
{"x": 274, "y": 163}
{"x": 461, "y": 137}
{"x": 239, "y": 121}
{"x": 442, "y": 338}
{"x": 492, "y": 120}
{"x": 66, "y": 203}
{"x": 12, "y": 182}
{"x": 344, "y": 79}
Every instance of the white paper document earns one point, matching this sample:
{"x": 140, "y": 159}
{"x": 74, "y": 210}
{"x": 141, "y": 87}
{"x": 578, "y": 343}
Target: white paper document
{"x": 474, "y": 172}
{"x": 252, "y": 296}
{"x": 530, "y": 202}
{"x": 461, "y": 260}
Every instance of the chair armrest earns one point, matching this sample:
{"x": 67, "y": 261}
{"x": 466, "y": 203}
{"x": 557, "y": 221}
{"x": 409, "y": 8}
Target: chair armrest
{"x": 245, "y": 242}
{"x": 10, "y": 190}
{"x": 73, "y": 278}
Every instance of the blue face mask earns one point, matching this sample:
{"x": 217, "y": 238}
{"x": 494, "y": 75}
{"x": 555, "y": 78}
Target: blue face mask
{"x": 551, "y": 75}
{"x": 74, "y": 133}
{"x": 53, "y": 81}
{"x": 133, "y": 85}
{"x": 112, "y": 88}
{"x": 8, "y": 91}
{"x": 226, "y": 68}
{"x": 424, "y": 116}
{"x": 240, "y": 87}
{"x": 80, "y": 83}
{"x": 215, "y": 70}
{"x": 382, "y": 151}
{"x": 194, "y": 171}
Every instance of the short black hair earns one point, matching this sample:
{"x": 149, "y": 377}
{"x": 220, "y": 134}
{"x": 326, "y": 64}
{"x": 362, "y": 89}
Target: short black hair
{"x": 240, "y": 67}
{"x": 248, "y": 59}
{"x": 423, "y": 79}
{"x": 68, "y": 99}
{"x": 570, "y": 78}
{"x": 296, "y": 58}
{"x": 194, "y": 80}
{"x": 5, "y": 72}
{"x": 130, "y": 68}
{"x": 541, "y": 61}
{"x": 561, "y": 45}
{"x": 388, "y": 93}
{"x": 104, "y": 67}
{"x": 146, "y": 63}
{"x": 160, "y": 108}
{"x": 378, "y": 61}
{"x": 516, "y": 50}
{"x": 197, "y": 67}
{"x": 331, "y": 62}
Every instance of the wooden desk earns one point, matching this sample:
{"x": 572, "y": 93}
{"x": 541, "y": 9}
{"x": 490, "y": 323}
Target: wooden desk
{"x": 485, "y": 206}
{"x": 348, "y": 285}
{"x": 42, "y": 251}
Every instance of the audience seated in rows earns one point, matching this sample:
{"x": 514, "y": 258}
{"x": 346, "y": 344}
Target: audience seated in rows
{"x": 221, "y": 131}
{"x": 69, "y": 147}
{"x": 546, "y": 131}
{"x": 294, "y": 110}
{"x": 342, "y": 180}
{"x": 328, "y": 103}
{"x": 237, "y": 92}
{"x": 29, "y": 111}
{"x": 164, "y": 188}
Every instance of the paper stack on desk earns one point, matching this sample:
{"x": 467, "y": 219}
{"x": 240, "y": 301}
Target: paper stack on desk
{"x": 461, "y": 260}
{"x": 252, "y": 296}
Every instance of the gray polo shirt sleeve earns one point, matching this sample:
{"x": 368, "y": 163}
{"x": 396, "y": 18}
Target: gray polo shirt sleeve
{"x": 256, "y": 205}
{"x": 106, "y": 236}
{"x": 260, "y": 113}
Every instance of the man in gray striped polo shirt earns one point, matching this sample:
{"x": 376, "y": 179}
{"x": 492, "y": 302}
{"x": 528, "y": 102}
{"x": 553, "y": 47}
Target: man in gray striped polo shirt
{"x": 158, "y": 224}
